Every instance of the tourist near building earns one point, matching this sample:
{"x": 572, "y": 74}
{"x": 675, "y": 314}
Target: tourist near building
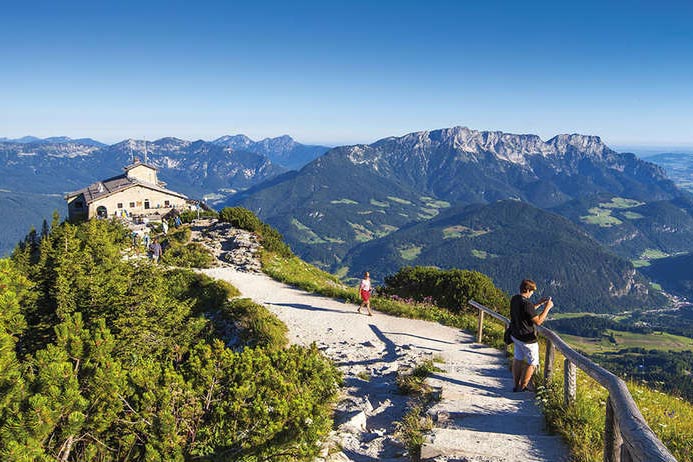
{"x": 137, "y": 192}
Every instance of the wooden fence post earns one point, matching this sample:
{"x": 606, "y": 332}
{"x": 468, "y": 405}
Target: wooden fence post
{"x": 480, "y": 327}
{"x": 612, "y": 435}
{"x": 569, "y": 382}
{"x": 548, "y": 361}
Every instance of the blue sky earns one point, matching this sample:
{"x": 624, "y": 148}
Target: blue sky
{"x": 338, "y": 72}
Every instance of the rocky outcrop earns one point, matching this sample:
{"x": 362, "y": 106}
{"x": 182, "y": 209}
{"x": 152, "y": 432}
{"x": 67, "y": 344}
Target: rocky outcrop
{"x": 231, "y": 246}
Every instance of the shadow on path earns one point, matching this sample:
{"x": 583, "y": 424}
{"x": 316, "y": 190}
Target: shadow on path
{"x": 422, "y": 338}
{"x": 302, "y": 306}
{"x": 492, "y": 390}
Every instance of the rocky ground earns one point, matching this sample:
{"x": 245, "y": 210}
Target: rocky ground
{"x": 478, "y": 419}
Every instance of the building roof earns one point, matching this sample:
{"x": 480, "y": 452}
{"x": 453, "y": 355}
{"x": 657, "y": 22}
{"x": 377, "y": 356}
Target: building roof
{"x": 137, "y": 163}
{"x": 119, "y": 183}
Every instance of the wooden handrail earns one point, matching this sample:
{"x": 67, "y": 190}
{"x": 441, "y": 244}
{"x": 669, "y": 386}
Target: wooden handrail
{"x": 627, "y": 437}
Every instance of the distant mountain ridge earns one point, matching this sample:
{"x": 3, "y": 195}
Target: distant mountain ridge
{"x": 52, "y": 140}
{"x": 282, "y": 150}
{"x": 441, "y": 162}
{"x": 360, "y": 194}
{"x": 35, "y": 173}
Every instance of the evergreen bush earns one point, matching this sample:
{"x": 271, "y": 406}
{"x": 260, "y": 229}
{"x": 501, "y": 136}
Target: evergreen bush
{"x": 105, "y": 359}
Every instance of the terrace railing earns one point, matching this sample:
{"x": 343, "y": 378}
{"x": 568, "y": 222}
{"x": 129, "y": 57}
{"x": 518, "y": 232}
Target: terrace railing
{"x": 627, "y": 437}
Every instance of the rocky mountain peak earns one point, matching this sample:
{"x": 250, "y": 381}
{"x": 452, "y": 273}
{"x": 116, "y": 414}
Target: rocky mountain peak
{"x": 587, "y": 144}
{"x": 505, "y": 146}
{"x": 279, "y": 144}
{"x": 234, "y": 141}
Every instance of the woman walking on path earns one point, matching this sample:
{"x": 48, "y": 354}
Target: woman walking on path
{"x": 523, "y": 319}
{"x": 365, "y": 293}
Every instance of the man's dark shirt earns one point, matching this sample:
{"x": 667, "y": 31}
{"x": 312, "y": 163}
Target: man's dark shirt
{"x": 521, "y": 313}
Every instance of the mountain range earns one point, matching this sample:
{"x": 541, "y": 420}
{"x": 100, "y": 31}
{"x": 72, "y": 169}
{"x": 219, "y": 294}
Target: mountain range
{"x": 35, "y": 173}
{"x": 583, "y": 220}
{"x": 342, "y": 208}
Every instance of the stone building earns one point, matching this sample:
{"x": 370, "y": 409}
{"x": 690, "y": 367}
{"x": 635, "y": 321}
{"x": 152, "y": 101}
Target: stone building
{"x": 137, "y": 192}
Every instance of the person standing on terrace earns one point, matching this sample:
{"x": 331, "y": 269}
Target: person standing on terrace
{"x": 523, "y": 322}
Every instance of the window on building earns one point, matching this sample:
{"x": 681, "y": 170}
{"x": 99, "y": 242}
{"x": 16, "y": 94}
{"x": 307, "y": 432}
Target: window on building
{"x": 139, "y": 203}
{"x": 167, "y": 203}
{"x": 120, "y": 205}
{"x": 132, "y": 205}
{"x": 146, "y": 203}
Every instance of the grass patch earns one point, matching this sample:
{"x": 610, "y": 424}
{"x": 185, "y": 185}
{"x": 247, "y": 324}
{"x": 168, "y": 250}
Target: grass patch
{"x": 582, "y": 423}
{"x": 459, "y": 231}
{"x": 410, "y": 252}
{"x": 652, "y": 341}
{"x": 653, "y": 254}
{"x": 482, "y": 254}
{"x": 399, "y": 200}
{"x": 379, "y": 204}
{"x": 436, "y": 204}
{"x": 294, "y": 271}
{"x": 601, "y": 217}
{"x": 385, "y": 229}
{"x": 632, "y": 215}
{"x": 428, "y": 213}
{"x": 412, "y": 429}
{"x": 621, "y": 203}
{"x": 308, "y": 236}
{"x": 414, "y": 382}
{"x": 365, "y": 376}
{"x": 362, "y": 234}
{"x": 415, "y": 423}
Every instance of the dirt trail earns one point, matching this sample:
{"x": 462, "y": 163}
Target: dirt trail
{"x": 479, "y": 417}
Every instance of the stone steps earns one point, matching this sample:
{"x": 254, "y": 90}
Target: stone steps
{"x": 480, "y": 419}
{"x": 488, "y": 446}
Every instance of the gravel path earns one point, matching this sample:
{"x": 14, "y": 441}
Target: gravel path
{"x": 478, "y": 418}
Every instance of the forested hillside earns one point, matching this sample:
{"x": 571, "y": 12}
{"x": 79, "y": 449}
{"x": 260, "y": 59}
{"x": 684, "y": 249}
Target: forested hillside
{"x": 509, "y": 241}
{"x": 106, "y": 359}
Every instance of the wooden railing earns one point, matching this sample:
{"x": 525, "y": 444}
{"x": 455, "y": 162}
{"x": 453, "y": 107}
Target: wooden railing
{"x": 627, "y": 437}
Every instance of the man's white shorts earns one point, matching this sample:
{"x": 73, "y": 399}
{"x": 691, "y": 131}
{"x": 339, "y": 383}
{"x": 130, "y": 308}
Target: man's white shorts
{"x": 527, "y": 352}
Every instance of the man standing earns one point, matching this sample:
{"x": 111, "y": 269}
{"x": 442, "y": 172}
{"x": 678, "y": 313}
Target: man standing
{"x": 523, "y": 319}
{"x": 155, "y": 250}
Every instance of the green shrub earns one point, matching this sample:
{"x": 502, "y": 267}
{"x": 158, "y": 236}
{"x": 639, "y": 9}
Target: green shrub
{"x": 271, "y": 239}
{"x": 412, "y": 429}
{"x": 241, "y": 218}
{"x": 189, "y": 215}
{"x": 192, "y": 255}
{"x": 258, "y": 326}
{"x": 179, "y": 235}
{"x": 450, "y": 289}
{"x": 262, "y": 405}
{"x": 123, "y": 352}
{"x": 414, "y": 382}
{"x": 208, "y": 294}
